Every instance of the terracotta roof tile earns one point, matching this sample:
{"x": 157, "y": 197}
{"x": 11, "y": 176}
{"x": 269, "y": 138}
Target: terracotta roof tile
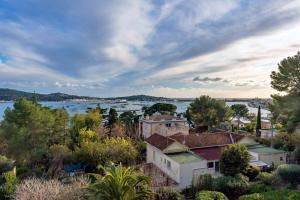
{"x": 207, "y": 139}
{"x": 159, "y": 141}
{"x": 209, "y": 153}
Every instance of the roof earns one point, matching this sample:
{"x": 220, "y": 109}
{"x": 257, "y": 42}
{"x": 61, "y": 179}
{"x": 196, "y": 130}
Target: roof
{"x": 207, "y": 139}
{"x": 184, "y": 157}
{"x": 159, "y": 141}
{"x": 258, "y": 148}
{"x": 258, "y": 163}
{"x": 209, "y": 153}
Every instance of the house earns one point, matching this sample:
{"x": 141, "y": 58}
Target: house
{"x": 183, "y": 157}
{"x": 165, "y": 125}
{"x": 174, "y": 160}
{"x": 267, "y": 155}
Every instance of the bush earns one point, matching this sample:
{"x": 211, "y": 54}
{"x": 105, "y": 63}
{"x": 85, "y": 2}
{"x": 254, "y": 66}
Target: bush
{"x": 234, "y": 160}
{"x": 289, "y": 173}
{"x": 23, "y": 172}
{"x": 282, "y": 195}
{"x": 9, "y": 181}
{"x": 255, "y": 196}
{"x": 251, "y": 172}
{"x": 167, "y": 194}
{"x": 210, "y": 195}
{"x": 260, "y": 188}
{"x": 5, "y": 164}
{"x": 267, "y": 178}
{"x": 232, "y": 187}
{"x": 204, "y": 182}
{"x": 33, "y": 189}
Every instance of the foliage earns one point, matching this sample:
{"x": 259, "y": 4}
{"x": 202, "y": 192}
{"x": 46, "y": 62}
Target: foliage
{"x": 41, "y": 189}
{"x": 254, "y": 196}
{"x": 287, "y": 79}
{"x": 59, "y": 154}
{"x": 258, "y": 122}
{"x": 206, "y": 111}
{"x": 120, "y": 183}
{"x": 112, "y": 118}
{"x": 91, "y": 121}
{"x": 115, "y": 149}
{"x": 260, "y": 188}
{"x": 204, "y": 182}
{"x": 286, "y": 141}
{"x": 234, "y": 160}
{"x": 130, "y": 120}
{"x": 286, "y": 108}
{"x": 167, "y": 194}
{"x": 6, "y": 164}
{"x": 282, "y": 195}
{"x": 28, "y": 129}
{"x": 210, "y": 195}
{"x": 267, "y": 178}
{"x": 251, "y": 172}
{"x": 232, "y": 187}
{"x": 239, "y": 111}
{"x": 163, "y": 108}
{"x": 87, "y": 135}
{"x": 9, "y": 183}
{"x": 289, "y": 173}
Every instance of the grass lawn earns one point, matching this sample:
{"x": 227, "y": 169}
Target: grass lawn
{"x": 282, "y": 195}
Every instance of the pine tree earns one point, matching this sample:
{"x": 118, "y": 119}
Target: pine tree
{"x": 258, "y": 123}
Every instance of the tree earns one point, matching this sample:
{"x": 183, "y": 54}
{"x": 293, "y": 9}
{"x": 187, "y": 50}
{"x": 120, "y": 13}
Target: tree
{"x": 6, "y": 164}
{"x": 234, "y": 160}
{"x": 163, "y": 108}
{"x": 286, "y": 108}
{"x": 28, "y": 130}
{"x": 206, "y": 111}
{"x": 91, "y": 121}
{"x": 210, "y": 195}
{"x": 258, "y": 122}
{"x": 239, "y": 111}
{"x": 120, "y": 183}
{"x": 129, "y": 120}
{"x": 112, "y": 117}
{"x": 289, "y": 173}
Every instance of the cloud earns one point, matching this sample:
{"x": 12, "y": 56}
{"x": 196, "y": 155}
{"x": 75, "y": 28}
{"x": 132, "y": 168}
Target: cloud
{"x": 106, "y": 46}
{"x": 207, "y": 79}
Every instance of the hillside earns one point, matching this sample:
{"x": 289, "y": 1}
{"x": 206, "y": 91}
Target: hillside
{"x": 11, "y": 95}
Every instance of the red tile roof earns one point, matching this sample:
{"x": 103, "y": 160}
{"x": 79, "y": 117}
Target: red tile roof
{"x": 159, "y": 141}
{"x": 207, "y": 139}
{"x": 209, "y": 153}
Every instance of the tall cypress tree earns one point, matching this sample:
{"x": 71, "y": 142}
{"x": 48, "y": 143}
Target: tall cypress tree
{"x": 258, "y": 123}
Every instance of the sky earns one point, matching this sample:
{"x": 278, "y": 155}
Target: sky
{"x": 169, "y": 48}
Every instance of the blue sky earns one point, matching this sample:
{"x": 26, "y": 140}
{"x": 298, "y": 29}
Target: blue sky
{"x": 176, "y": 48}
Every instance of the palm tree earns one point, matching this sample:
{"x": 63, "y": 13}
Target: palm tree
{"x": 120, "y": 183}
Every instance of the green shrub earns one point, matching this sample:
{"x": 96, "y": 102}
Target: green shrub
{"x": 210, "y": 195}
{"x": 251, "y": 172}
{"x": 282, "y": 195}
{"x": 167, "y": 194}
{"x": 267, "y": 178}
{"x": 289, "y": 173}
{"x": 255, "y": 196}
{"x": 204, "y": 182}
{"x": 6, "y": 164}
{"x": 232, "y": 187}
{"x": 23, "y": 172}
{"x": 260, "y": 188}
{"x": 9, "y": 182}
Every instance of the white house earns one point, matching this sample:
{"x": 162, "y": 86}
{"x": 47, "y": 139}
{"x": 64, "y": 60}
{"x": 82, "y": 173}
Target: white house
{"x": 165, "y": 125}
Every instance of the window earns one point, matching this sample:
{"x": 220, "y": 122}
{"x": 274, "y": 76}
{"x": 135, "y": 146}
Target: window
{"x": 168, "y": 125}
{"x": 281, "y": 159}
{"x": 168, "y": 164}
{"x": 210, "y": 165}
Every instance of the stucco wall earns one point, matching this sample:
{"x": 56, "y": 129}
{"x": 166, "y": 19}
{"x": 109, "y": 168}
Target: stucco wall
{"x": 275, "y": 158}
{"x": 150, "y": 128}
{"x": 161, "y": 162}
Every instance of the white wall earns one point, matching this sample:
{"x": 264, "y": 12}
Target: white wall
{"x": 161, "y": 162}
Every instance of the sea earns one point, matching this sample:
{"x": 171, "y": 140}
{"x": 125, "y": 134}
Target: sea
{"x": 74, "y": 107}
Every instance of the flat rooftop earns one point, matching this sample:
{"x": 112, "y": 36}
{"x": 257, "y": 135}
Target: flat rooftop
{"x": 184, "y": 157}
{"x": 258, "y": 148}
